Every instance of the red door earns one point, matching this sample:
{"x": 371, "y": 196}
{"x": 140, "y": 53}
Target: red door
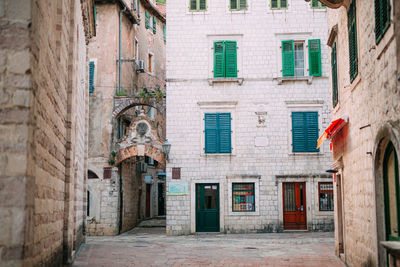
{"x": 148, "y": 198}
{"x": 294, "y": 206}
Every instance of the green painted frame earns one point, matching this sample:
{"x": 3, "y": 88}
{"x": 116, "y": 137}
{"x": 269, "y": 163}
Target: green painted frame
{"x": 278, "y": 2}
{"x": 198, "y": 7}
{"x": 389, "y": 150}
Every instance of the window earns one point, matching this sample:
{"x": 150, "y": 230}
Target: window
{"x": 225, "y": 59}
{"x": 217, "y": 133}
{"x": 150, "y": 63}
{"x": 334, "y": 76}
{"x": 325, "y": 192}
{"x": 147, "y": 20}
{"x": 316, "y": 4}
{"x": 298, "y": 59}
{"x": 278, "y": 4}
{"x": 243, "y": 197}
{"x": 391, "y": 193}
{"x": 237, "y": 5}
{"x": 154, "y": 26}
{"x": 198, "y": 5}
{"x": 91, "y": 76}
{"x": 382, "y": 18}
{"x": 352, "y": 28}
{"x": 293, "y": 58}
{"x": 150, "y": 113}
{"x": 305, "y": 131}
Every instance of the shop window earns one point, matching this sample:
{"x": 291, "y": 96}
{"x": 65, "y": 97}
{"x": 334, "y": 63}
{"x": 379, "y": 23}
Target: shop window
{"x": 243, "y": 197}
{"x": 325, "y": 192}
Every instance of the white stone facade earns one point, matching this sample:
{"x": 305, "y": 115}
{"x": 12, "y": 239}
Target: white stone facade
{"x": 260, "y": 104}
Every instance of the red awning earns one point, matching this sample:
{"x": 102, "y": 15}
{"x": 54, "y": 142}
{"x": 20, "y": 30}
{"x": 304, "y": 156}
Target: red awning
{"x": 333, "y": 129}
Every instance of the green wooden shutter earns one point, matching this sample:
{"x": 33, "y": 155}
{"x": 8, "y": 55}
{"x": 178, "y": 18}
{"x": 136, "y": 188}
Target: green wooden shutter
{"x": 230, "y": 59}
{"x": 304, "y": 131}
{"x": 219, "y": 59}
{"x": 288, "y": 58}
{"x": 298, "y": 132}
{"x": 283, "y": 4}
{"x": 203, "y": 5}
{"x": 224, "y": 133}
{"x": 311, "y": 120}
{"x": 382, "y": 18}
{"x": 334, "y": 76}
{"x": 193, "y": 5}
{"x": 233, "y": 5}
{"x": 165, "y": 32}
{"x": 352, "y": 29}
{"x": 242, "y": 4}
{"x": 314, "y": 57}
{"x": 146, "y": 22}
{"x": 274, "y": 4}
{"x": 211, "y": 132}
{"x": 91, "y": 76}
{"x": 154, "y": 25}
{"x": 138, "y": 8}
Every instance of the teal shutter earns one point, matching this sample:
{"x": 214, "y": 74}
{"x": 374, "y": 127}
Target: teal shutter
{"x": 95, "y": 16}
{"x": 242, "y": 4}
{"x": 138, "y": 8}
{"x": 219, "y": 59}
{"x": 382, "y": 18}
{"x": 352, "y": 29}
{"x": 203, "y": 4}
{"x": 154, "y": 25}
{"x": 193, "y": 5}
{"x": 288, "y": 58}
{"x": 334, "y": 76}
{"x": 211, "y": 133}
{"x": 314, "y": 57}
{"x": 146, "y": 22}
{"x": 91, "y": 76}
{"x": 230, "y": 59}
{"x": 311, "y": 119}
{"x": 165, "y": 32}
{"x": 304, "y": 131}
{"x": 233, "y": 5}
{"x": 224, "y": 133}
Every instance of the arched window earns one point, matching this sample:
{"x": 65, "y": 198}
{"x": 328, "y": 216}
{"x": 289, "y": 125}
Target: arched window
{"x": 391, "y": 193}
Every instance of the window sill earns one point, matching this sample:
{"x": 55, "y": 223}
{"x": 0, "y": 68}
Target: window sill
{"x": 217, "y": 154}
{"x": 211, "y": 81}
{"x": 294, "y": 78}
{"x": 244, "y": 213}
{"x": 393, "y": 247}
{"x": 316, "y": 154}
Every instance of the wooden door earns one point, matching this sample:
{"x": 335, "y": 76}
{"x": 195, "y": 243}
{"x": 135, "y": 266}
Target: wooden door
{"x": 207, "y": 208}
{"x": 294, "y": 206}
{"x": 148, "y": 199}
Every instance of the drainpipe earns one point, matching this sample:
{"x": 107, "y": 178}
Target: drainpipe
{"x": 119, "y": 57}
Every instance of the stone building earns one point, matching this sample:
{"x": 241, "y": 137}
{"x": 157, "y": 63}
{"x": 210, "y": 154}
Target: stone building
{"x": 248, "y": 95}
{"x": 127, "y": 59}
{"x": 43, "y": 122}
{"x": 364, "y": 40}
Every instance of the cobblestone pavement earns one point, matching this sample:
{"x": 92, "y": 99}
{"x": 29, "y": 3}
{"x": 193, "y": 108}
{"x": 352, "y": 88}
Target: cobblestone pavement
{"x": 151, "y": 247}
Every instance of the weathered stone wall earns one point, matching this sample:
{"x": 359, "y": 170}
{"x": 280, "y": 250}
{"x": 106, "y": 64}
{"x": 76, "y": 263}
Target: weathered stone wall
{"x": 371, "y": 101}
{"x": 44, "y": 112}
{"x": 260, "y": 150}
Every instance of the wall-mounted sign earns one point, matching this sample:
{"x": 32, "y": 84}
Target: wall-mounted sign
{"x": 177, "y": 188}
{"x": 176, "y": 173}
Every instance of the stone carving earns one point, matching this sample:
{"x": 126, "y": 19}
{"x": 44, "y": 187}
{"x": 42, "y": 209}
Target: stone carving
{"x": 261, "y": 116}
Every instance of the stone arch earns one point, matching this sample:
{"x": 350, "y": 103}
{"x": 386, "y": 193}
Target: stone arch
{"x": 92, "y": 175}
{"x": 124, "y": 103}
{"x": 389, "y": 132}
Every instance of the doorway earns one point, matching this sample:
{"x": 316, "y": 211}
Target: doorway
{"x": 339, "y": 204}
{"x": 161, "y": 199}
{"x": 207, "y": 208}
{"x": 148, "y": 200}
{"x": 294, "y": 206}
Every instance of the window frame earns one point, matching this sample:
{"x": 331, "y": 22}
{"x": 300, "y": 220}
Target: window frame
{"x": 279, "y": 5}
{"x": 238, "y": 5}
{"x": 294, "y": 58}
{"x": 323, "y": 191}
{"x": 237, "y": 190}
{"x": 198, "y": 7}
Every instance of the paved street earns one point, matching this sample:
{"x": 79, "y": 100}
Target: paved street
{"x": 150, "y": 247}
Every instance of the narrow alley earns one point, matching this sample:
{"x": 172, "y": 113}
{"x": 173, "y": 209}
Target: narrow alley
{"x": 151, "y": 247}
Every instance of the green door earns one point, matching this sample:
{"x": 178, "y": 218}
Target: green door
{"x": 207, "y": 208}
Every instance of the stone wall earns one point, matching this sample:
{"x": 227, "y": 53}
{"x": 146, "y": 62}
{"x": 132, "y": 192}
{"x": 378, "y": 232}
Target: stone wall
{"x": 372, "y": 103}
{"x": 259, "y": 149}
{"x": 44, "y": 109}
